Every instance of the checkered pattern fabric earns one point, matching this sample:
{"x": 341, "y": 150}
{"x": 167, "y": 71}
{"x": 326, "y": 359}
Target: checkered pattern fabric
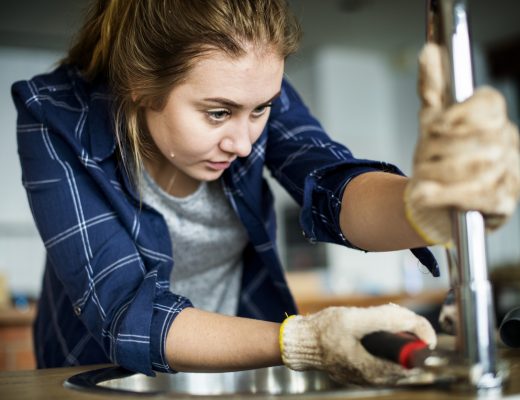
{"x": 105, "y": 294}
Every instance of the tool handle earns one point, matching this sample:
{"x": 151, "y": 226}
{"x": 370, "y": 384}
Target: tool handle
{"x": 403, "y": 348}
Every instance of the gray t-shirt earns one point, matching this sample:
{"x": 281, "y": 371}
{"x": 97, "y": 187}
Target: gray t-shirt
{"x": 208, "y": 240}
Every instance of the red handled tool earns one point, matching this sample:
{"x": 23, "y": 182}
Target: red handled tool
{"x": 403, "y": 348}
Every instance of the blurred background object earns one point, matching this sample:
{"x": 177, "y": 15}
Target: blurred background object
{"x": 5, "y": 295}
{"x": 505, "y": 280}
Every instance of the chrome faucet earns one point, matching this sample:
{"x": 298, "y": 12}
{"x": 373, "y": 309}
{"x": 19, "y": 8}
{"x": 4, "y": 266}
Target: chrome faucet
{"x": 447, "y": 25}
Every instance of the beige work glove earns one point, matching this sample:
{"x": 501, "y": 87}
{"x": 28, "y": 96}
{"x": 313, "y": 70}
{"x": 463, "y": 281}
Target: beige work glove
{"x": 330, "y": 340}
{"x": 467, "y": 156}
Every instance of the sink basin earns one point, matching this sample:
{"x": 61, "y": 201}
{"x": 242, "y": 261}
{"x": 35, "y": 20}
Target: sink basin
{"x": 257, "y": 383}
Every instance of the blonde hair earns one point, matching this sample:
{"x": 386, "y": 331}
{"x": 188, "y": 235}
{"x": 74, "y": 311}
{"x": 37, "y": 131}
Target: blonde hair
{"x": 142, "y": 48}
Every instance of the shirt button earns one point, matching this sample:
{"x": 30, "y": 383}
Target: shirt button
{"x": 77, "y": 310}
{"x": 306, "y": 237}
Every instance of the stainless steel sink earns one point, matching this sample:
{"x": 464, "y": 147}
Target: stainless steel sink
{"x": 259, "y": 383}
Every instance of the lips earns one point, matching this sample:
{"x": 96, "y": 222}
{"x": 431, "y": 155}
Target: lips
{"x": 218, "y": 165}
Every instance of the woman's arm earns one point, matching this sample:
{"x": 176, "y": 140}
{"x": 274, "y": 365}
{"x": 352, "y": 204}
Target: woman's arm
{"x": 202, "y": 341}
{"x": 467, "y": 158}
{"x": 328, "y": 340}
{"x": 372, "y": 214}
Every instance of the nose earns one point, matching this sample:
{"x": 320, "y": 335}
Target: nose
{"x": 238, "y": 140}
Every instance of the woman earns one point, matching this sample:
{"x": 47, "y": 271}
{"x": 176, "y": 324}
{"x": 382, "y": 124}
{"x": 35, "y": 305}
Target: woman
{"x": 142, "y": 156}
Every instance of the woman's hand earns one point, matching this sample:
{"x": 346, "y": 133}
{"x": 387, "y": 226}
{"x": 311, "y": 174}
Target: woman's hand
{"x": 467, "y": 156}
{"x": 330, "y": 340}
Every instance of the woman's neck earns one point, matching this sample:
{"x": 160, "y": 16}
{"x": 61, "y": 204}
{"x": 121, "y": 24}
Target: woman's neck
{"x": 170, "y": 179}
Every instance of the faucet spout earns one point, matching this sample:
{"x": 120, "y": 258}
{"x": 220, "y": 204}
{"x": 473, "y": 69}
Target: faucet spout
{"x": 447, "y": 25}
{"x": 475, "y": 340}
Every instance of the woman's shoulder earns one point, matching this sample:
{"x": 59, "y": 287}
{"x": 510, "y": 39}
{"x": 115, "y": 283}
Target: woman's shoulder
{"x": 67, "y": 105}
{"x": 64, "y": 87}
{"x": 61, "y": 76}
{"x": 289, "y": 101}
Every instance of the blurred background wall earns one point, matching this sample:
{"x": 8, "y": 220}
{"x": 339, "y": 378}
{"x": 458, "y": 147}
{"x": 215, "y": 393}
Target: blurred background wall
{"x": 357, "y": 72}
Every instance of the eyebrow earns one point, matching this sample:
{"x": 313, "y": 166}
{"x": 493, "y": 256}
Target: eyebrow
{"x": 232, "y": 104}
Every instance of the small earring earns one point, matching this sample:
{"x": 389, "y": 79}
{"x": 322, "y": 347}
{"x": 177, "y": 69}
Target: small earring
{"x": 172, "y": 155}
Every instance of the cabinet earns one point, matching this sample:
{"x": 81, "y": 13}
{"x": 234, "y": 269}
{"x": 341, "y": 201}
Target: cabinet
{"x": 16, "y": 345}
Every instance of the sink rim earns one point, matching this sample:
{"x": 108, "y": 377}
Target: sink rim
{"x": 90, "y": 380}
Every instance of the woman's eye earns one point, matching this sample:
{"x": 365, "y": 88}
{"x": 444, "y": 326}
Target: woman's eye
{"x": 218, "y": 115}
{"x": 259, "y": 111}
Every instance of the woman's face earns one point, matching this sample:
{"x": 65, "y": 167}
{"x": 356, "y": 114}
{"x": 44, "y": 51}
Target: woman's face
{"x": 214, "y": 115}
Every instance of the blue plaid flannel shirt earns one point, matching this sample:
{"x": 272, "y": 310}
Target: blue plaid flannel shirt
{"x": 105, "y": 293}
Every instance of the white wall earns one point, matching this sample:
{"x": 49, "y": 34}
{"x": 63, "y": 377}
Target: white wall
{"x": 355, "y": 96}
{"x": 21, "y": 251}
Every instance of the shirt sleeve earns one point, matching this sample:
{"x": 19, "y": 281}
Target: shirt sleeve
{"x": 315, "y": 170}
{"x": 312, "y": 167}
{"x": 121, "y": 300}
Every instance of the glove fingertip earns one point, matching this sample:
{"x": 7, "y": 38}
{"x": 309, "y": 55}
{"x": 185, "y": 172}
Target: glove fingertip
{"x": 426, "y": 333}
{"x": 431, "y": 80}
